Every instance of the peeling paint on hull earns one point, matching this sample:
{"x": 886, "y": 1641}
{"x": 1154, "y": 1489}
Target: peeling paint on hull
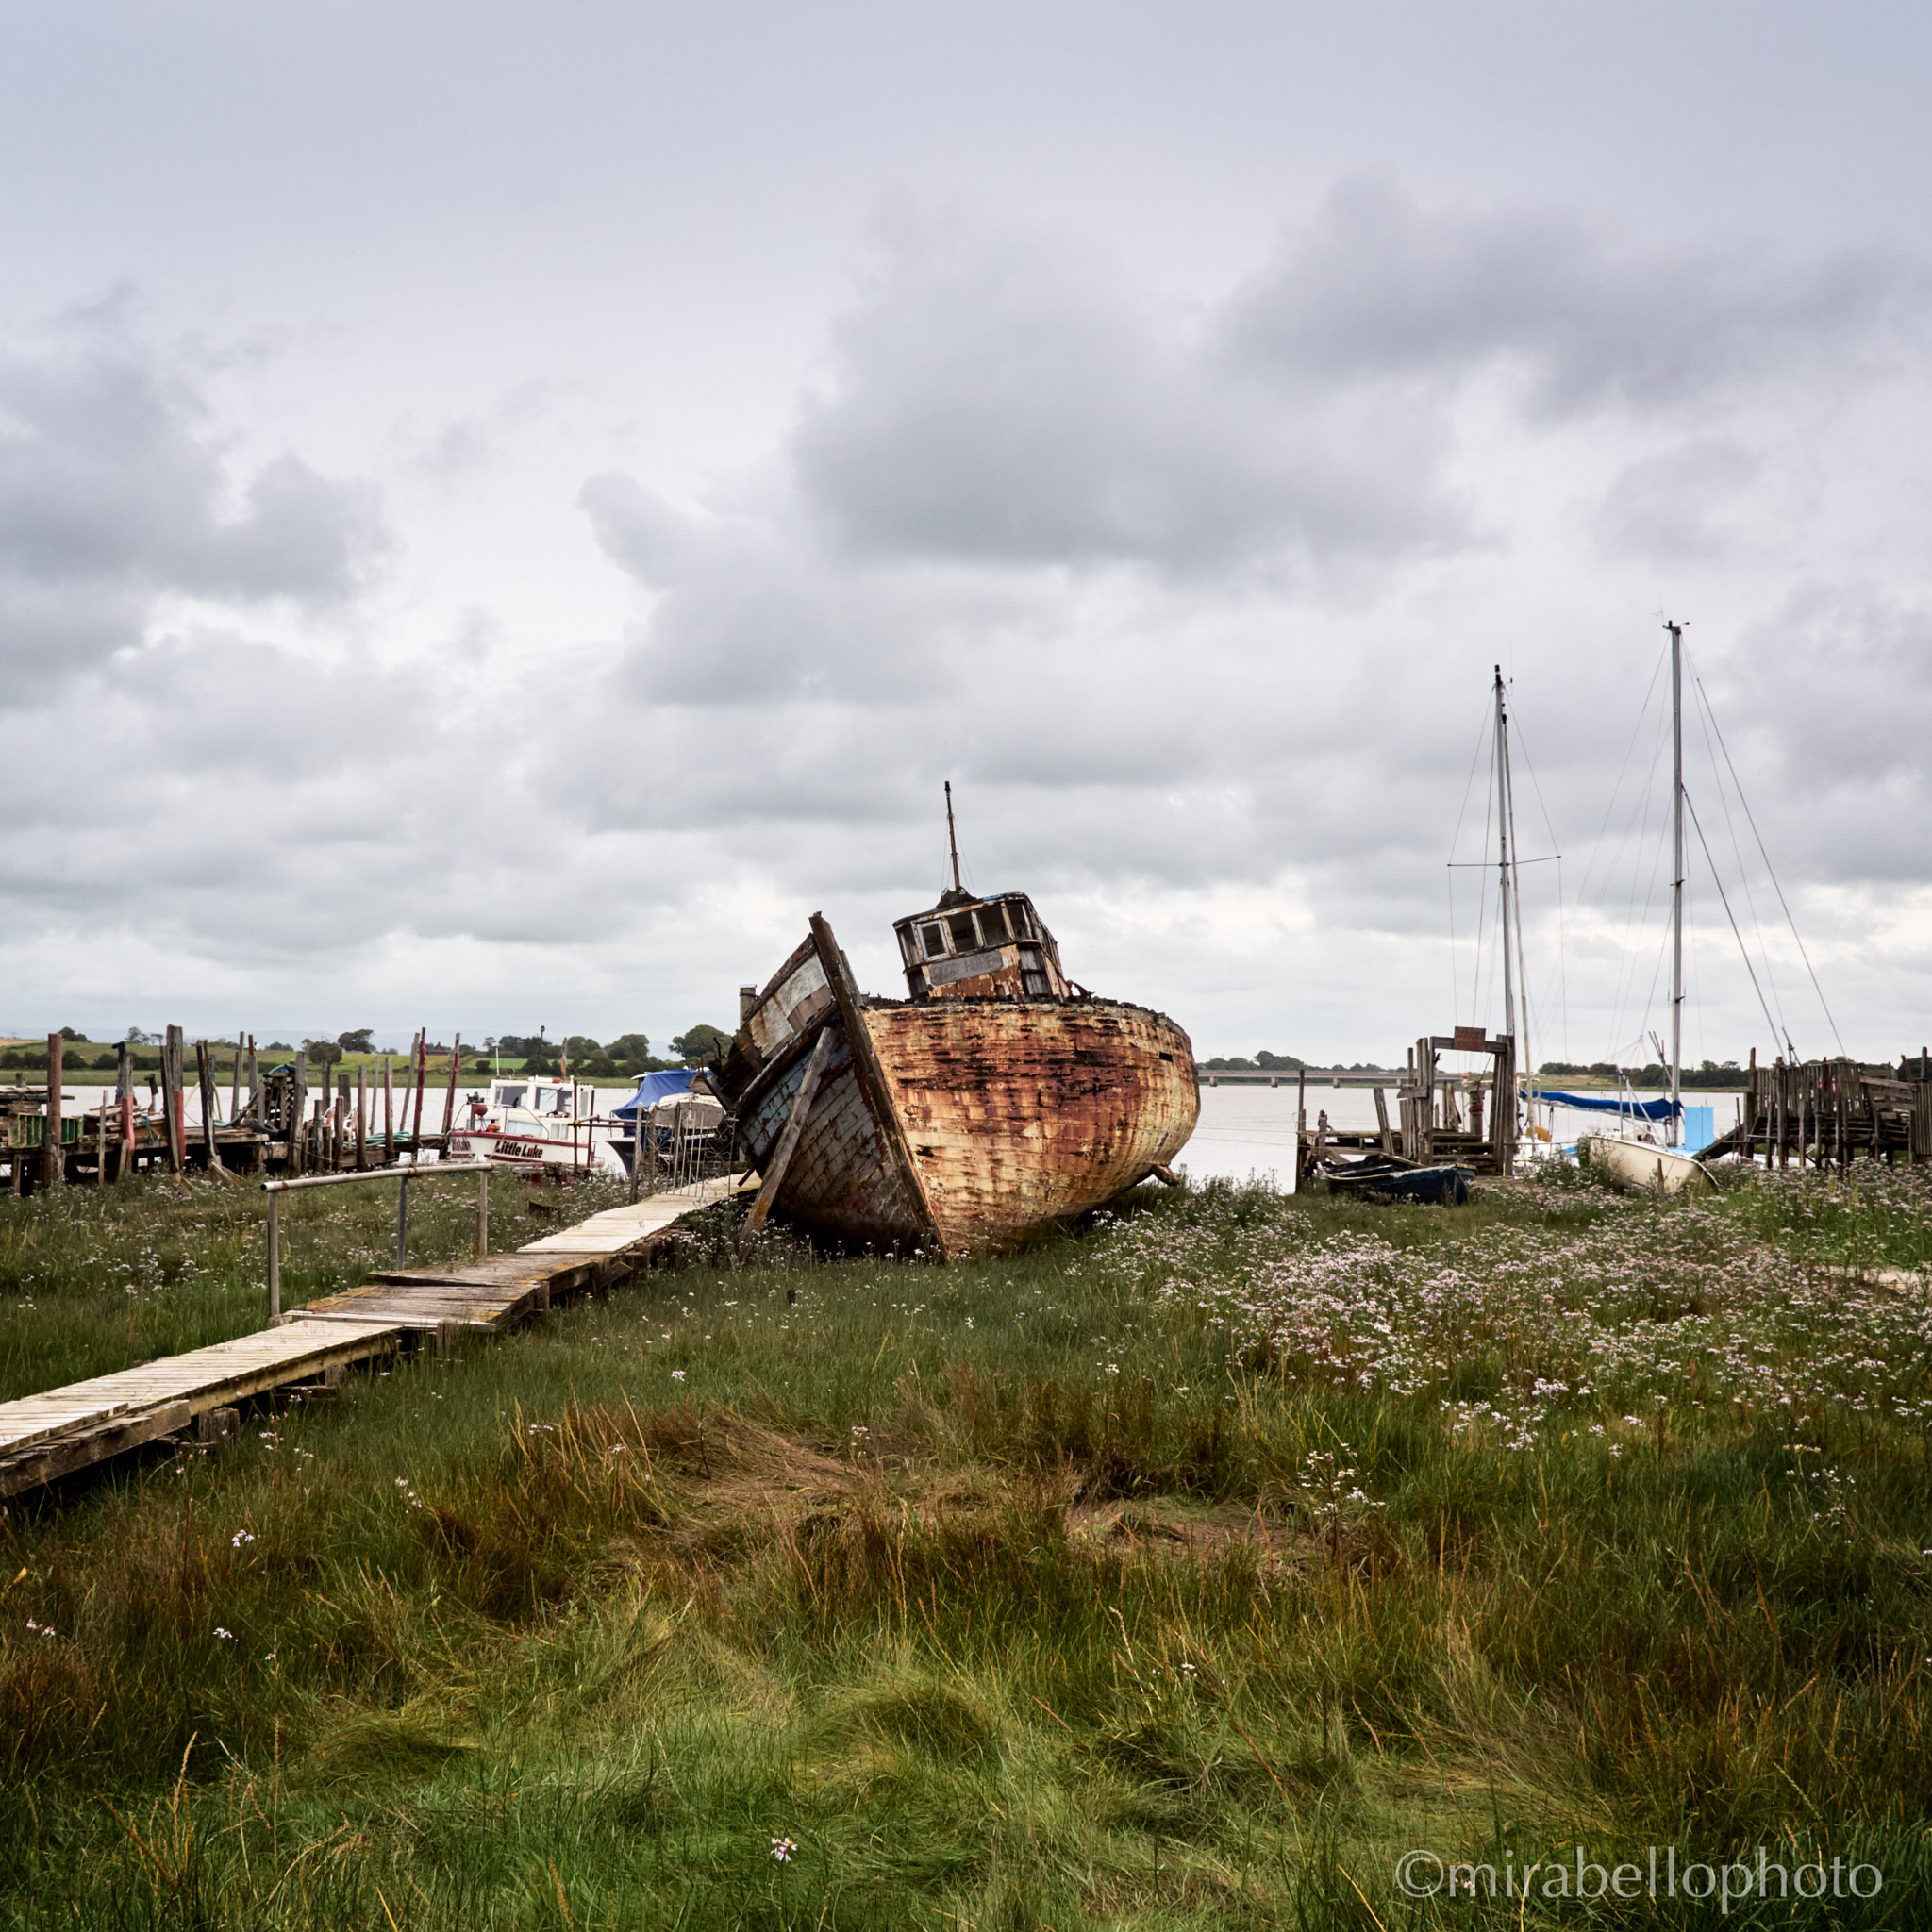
{"x": 973, "y": 1119}
{"x": 1020, "y": 1111}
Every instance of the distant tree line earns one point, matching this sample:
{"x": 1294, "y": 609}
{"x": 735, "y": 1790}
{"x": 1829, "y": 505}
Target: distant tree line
{"x": 1263, "y": 1061}
{"x": 625, "y": 1057}
{"x": 1705, "y": 1073}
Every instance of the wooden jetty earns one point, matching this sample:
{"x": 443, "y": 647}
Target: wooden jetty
{"x": 50, "y": 1435}
{"x": 1297, "y": 1076}
{"x": 1441, "y": 1118}
{"x": 1824, "y": 1113}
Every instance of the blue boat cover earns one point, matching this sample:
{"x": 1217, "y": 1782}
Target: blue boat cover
{"x": 652, "y": 1088}
{"x": 1630, "y": 1109}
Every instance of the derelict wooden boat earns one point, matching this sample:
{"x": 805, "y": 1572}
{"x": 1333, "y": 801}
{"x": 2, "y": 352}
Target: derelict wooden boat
{"x": 1388, "y": 1177}
{"x": 1644, "y": 1164}
{"x": 997, "y": 1097}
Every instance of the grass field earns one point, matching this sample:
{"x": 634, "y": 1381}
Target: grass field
{"x": 1187, "y": 1571}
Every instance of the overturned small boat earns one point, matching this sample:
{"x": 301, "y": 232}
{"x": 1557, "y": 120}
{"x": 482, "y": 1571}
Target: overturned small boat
{"x": 1389, "y": 1177}
{"x": 998, "y": 1096}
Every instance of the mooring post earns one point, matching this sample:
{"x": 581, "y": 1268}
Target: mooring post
{"x": 402, "y": 1222}
{"x": 55, "y": 1166}
{"x": 482, "y": 1216}
{"x": 124, "y": 1096}
{"x": 275, "y": 1257}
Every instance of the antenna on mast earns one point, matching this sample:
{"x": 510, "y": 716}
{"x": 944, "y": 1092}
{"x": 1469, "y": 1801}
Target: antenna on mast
{"x": 952, "y": 842}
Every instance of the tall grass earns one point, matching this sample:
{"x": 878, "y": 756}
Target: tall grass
{"x": 1185, "y": 1572}
{"x": 95, "y": 1279}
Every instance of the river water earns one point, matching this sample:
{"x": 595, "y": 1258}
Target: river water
{"x": 1249, "y": 1131}
{"x": 1244, "y": 1132}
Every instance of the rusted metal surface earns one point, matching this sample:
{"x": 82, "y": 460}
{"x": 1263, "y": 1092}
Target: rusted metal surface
{"x": 958, "y": 1122}
{"x": 1024, "y": 1111}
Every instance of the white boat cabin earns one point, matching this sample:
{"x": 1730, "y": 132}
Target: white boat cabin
{"x": 531, "y": 1095}
{"x": 968, "y": 948}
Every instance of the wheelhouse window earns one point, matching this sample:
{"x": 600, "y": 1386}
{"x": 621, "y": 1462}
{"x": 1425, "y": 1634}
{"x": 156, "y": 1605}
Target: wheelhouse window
{"x": 964, "y": 938}
{"x": 509, "y": 1096}
{"x": 932, "y": 941}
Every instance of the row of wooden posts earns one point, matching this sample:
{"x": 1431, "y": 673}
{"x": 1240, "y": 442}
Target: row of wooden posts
{"x": 277, "y": 1124}
{"x": 1821, "y": 1113}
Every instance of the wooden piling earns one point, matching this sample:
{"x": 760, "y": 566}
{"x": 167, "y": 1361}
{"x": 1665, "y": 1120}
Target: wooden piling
{"x": 298, "y": 1115}
{"x": 363, "y": 1119}
{"x": 54, "y": 1165}
{"x": 123, "y": 1094}
{"x": 449, "y": 1098}
{"x": 421, "y": 1079}
{"x": 205, "y": 1080}
{"x": 275, "y": 1258}
{"x": 388, "y": 1112}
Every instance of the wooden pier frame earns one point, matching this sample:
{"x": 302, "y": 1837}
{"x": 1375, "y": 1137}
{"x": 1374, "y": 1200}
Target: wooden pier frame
{"x": 1826, "y": 1113}
{"x": 1430, "y": 1129}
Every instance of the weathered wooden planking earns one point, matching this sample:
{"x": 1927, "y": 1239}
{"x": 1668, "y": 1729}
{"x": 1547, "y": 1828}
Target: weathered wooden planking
{"x": 119, "y": 1411}
{"x": 61, "y": 1454}
{"x": 46, "y": 1436}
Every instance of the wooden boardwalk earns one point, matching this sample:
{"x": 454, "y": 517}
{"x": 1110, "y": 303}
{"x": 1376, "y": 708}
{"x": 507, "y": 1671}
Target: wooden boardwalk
{"x": 43, "y": 1437}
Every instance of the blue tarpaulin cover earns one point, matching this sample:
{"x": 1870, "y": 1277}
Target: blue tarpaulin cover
{"x": 1630, "y": 1109}
{"x": 651, "y": 1088}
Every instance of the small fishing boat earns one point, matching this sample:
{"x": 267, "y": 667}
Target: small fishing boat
{"x": 678, "y": 1121}
{"x": 1629, "y": 1162}
{"x": 998, "y": 1096}
{"x": 536, "y": 1125}
{"x": 1389, "y": 1177}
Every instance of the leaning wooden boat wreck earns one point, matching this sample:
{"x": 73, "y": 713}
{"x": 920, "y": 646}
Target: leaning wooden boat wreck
{"x": 998, "y": 1096}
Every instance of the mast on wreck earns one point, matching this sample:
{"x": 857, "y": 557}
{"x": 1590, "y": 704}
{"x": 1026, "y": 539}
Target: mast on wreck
{"x": 952, "y": 840}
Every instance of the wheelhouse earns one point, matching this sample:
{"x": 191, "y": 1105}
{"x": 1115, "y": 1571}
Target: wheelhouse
{"x": 979, "y": 948}
{"x": 540, "y": 1096}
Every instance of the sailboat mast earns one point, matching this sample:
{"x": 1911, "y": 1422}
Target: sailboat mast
{"x": 1503, "y": 854}
{"x": 1521, "y": 1015}
{"x": 953, "y": 844}
{"x": 1673, "y": 1131}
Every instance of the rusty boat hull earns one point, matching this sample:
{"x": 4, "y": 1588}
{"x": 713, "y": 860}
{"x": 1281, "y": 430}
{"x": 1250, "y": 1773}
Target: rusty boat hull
{"x": 954, "y": 1126}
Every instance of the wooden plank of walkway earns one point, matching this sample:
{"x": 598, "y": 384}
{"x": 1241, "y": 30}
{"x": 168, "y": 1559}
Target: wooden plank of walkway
{"x": 40, "y": 1434}
{"x": 50, "y": 1435}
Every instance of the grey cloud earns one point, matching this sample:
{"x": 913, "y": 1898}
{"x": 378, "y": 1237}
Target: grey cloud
{"x": 114, "y": 490}
{"x": 1007, "y": 401}
{"x": 657, "y": 543}
{"x": 1380, "y": 287}
{"x": 752, "y": 616}
{"x": 1828, "y": 705}
{"x": 1681, "y": 503}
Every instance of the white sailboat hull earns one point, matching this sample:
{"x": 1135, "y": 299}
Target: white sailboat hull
{"x": 1644, "y": 1164}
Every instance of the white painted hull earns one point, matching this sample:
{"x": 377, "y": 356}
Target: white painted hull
{"x": 1644, "y": 1164}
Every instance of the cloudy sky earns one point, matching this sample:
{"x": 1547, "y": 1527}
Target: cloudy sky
{"x": 504, "y": 511}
